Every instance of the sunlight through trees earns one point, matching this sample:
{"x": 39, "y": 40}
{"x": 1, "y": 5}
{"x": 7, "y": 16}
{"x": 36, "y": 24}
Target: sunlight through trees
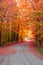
{"x": 20, "y": 19}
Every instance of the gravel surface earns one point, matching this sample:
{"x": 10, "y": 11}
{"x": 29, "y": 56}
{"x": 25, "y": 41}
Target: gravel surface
{"x": 23, "y": 56}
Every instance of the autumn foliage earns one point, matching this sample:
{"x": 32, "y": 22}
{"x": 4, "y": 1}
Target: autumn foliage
{"x": 20, "y": 19}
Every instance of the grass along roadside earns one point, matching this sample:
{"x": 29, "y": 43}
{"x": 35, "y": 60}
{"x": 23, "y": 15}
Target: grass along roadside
{"x": 40, "y": 50}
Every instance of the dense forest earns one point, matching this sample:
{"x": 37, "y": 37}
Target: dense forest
{"x": 20, "y": 19}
